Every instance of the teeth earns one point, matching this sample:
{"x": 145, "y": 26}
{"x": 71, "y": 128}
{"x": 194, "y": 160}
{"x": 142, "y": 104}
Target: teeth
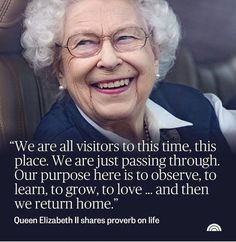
{"x": 110, "y": 85}
{"x": 116, "y": 84}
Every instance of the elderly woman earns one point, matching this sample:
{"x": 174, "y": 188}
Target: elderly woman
{"x": 108, "y": 56}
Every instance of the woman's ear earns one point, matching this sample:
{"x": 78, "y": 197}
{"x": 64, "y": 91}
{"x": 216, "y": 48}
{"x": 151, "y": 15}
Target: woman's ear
{"x": 156, "y": 52}
{"x": 157, "y": 69}
{"x": 155, "y": 49}
{"x": 156, "y": 65}
{"x": 59, "y": 73}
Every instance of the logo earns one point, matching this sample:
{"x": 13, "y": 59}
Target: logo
{"x": 214, "y": 228}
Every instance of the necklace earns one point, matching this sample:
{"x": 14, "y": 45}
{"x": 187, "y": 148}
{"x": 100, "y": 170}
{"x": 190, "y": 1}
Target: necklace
{"x": 146, "y": 133}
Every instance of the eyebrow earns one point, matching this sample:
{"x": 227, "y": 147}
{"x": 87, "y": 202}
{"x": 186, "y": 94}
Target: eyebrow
{"x": 88, "y": 31}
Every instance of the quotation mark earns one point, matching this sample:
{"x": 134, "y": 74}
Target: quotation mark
{"x": 214, "y": 228}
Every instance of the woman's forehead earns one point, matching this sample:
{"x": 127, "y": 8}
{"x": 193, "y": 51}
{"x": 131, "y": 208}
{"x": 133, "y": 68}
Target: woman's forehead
{"x": 101, "y": 15}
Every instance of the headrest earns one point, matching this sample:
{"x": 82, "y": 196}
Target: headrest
{"x": 11, "y": 15}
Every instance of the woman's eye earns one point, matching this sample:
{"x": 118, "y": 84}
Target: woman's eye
{"x": 125, "y": 38}
{"x": 84, "y": 43}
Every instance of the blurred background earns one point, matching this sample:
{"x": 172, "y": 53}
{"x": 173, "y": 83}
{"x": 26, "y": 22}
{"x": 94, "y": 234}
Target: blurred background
{"x": 208, "y": 48}
{"x": 206, "y": 60}
{"x": 209, "y": 28}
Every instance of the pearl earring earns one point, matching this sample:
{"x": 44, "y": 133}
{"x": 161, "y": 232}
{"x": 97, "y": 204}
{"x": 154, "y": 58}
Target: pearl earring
{"x": 158, "y": 76}
{"x": 61, "y": 88}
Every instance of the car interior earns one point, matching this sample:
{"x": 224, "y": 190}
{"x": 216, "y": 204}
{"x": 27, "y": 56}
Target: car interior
{"x": 25, "y": 97}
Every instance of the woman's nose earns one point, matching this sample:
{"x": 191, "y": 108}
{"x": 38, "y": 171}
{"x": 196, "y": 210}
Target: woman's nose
{"x": 108, "y": 58}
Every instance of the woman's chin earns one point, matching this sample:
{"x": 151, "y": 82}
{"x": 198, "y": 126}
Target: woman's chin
{"x": 115, "y": 113}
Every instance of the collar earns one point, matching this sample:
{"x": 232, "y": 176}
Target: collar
{"x": 157, "y": 118}
{"x": 165, "y": 119}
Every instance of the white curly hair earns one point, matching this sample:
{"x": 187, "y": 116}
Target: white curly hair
{"x": 44, "y": 25}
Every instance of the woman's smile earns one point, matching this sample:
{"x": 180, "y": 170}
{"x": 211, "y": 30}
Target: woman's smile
{"x": 113, "y": 86}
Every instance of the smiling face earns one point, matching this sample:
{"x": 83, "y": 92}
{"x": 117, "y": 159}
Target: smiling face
{"x": 110, "y": 86}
